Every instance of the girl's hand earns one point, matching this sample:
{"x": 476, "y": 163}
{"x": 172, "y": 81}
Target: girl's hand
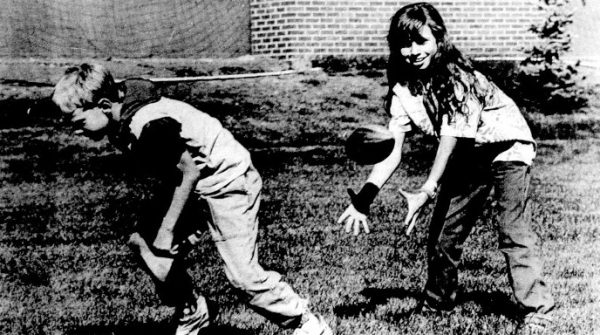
{"x": 354, "y": 220}
{"x": 415, "y": 201}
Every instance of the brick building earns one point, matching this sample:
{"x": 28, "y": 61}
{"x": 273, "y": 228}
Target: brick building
{"x": 495, "y": 29}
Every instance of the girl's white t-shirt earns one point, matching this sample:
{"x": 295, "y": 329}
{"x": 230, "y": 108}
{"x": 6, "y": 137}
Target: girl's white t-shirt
{"x": 499, "y": 120}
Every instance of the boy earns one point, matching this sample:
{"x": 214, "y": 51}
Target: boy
{"x": 181, "y": 144}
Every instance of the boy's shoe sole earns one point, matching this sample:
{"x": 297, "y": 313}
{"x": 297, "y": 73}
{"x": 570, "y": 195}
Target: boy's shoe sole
{"x": 316, "y": 325}
{"x": 198, "y": 322}
{"x": 534, "y": 324}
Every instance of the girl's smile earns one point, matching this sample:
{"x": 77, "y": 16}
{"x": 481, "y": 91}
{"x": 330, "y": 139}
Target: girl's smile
{"x": 419, "y": 53}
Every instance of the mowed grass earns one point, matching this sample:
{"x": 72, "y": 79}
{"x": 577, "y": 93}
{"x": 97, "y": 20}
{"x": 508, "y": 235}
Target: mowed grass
{"x": 67, "y": 205}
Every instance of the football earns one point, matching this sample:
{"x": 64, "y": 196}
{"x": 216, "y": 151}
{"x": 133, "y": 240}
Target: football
{"x": 369, "y": 144}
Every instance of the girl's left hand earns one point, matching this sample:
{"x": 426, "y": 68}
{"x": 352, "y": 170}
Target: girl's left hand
{"x": 415, "y": 201}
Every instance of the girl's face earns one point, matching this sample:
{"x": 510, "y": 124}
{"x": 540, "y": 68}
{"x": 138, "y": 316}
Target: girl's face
{"x": 419, "y": 52}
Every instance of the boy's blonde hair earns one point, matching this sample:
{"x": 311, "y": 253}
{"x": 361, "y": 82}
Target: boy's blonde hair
{"x": 84, "y": 84}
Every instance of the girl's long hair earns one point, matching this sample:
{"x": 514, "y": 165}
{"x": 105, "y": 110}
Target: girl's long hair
{"x": 448, "y": 72}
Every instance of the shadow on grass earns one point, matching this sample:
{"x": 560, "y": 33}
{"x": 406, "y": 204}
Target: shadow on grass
{"x": 153, "y": 329}
{"x": 133, "y": 328}
{"x": 490, "y": 303}
{"x": 44, "y": 161}
{"x": 375, "y": 297}
{"x": 16, "y": 113}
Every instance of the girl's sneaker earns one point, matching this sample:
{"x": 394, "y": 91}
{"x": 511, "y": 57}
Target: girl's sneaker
{"x": 313, "y": 325}
{"x": 193, "y": 319}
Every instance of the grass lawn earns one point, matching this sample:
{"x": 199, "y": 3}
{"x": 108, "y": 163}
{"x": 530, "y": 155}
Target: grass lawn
{"x": 67, "y": 205}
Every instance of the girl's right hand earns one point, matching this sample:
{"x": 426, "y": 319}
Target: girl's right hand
{"x": 354, "y": 220}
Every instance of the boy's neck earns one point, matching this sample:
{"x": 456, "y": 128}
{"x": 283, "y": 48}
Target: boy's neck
{"x": 115, "y": 110}
{"x": 116, "y": 106}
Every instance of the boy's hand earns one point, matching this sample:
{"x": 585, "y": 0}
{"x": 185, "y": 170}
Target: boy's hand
{"x": 354, "y": 220}
{"x": 184, "y": 246}
{"x": 158, "y": 266}
{"x": 415, "y": 201}
{"x": 163, "y": 240}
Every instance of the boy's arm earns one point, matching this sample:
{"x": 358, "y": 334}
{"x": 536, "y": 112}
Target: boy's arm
{"x": 161, "y": 152}
{"x": 190, "y": 175}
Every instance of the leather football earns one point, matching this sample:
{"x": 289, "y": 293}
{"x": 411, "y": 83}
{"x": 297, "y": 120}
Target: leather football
{"x": 369, "y": 144}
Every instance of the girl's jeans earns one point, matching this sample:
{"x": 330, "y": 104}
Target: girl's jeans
{"x": 464, "y": 190}
{"x": 233, "y": 225}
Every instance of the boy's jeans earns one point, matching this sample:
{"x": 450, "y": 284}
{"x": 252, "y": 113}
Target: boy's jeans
{"x": 464, "y": 191}
{"x": 233, "y": 226}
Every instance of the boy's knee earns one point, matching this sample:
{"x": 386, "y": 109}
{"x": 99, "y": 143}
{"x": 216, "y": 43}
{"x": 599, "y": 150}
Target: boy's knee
{"x": 243, "y": 282}
{"x": 254, "y": 280}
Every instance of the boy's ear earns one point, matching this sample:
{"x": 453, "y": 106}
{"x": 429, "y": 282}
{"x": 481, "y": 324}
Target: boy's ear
{"x": 105, "y": 103}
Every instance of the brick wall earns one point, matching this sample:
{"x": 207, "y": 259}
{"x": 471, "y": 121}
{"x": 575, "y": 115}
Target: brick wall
{"x": 487, "y": 29}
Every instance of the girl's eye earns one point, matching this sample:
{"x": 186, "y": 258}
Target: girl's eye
{"x": 420, "y": 41}
{"x": 408, "y": 43}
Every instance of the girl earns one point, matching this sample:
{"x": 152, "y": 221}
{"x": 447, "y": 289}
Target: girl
{"x": 484, "y": 143}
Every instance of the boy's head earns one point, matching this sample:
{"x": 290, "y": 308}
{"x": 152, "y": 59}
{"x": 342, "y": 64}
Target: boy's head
{"x": 87, "y": 93}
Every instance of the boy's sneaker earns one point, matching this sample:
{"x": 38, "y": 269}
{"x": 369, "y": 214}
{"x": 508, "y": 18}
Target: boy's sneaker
{"x": 193, "y": 319}
{"x": 534, "y": 324}
{"x": 423, "y": 307}
{"x": 313, "y": 325}
{"x": 426, "y": 308}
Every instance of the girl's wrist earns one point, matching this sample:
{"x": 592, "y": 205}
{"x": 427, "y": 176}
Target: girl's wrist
{"x": 363, "y": 200}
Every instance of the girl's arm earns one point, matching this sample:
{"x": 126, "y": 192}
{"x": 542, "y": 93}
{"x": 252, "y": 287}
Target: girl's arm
{"x": 355, "y": 214}
{"x": 429, "y": 189}
{"x": 190, "y": 175}
{"x": 383, "y": 170}
{"x": 444, "y": 151}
